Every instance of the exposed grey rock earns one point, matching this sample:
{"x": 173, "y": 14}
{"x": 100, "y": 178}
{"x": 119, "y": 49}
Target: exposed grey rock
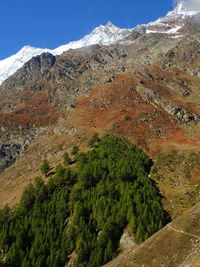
{"x": 180, "y": 86}
{"x": 59, "y": 130}
{"x": 60, "y": 75}
{"x": 127, "y": 240}
{"x": 13, "y": 144}
{"x": 8, "y": 154}
{"x": 33, "y": 70}
{"x": 149, "y": 95}
{"x": 182, "y": 113}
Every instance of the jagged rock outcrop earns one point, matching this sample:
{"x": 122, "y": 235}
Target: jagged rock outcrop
{"x": 32, "y": 71}
{"x": 8, "y": 154}
{"x": 61, "y": 76}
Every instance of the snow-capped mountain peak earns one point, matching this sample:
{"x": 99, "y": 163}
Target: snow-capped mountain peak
{"x": 173, "y": 22}
{"x": 180, "y": 9}
{"x": 185, "y": 9}
{"x": 103, "y": 35}
{"x": 11, "y": 64}
{"x": 107, "y": 34}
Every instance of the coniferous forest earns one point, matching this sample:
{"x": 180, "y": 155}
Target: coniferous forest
{"x": 79, "y": 215}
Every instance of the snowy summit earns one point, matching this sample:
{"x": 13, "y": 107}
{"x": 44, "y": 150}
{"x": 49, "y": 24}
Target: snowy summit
{"x": 185, "y": 9}
{"x": 102, "y": 35}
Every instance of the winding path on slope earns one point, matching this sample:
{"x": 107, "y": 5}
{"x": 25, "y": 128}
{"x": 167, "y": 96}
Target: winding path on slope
{"x": 182, "y": 232}
{"x": 192, "y": 258}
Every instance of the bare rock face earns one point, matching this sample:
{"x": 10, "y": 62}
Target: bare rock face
{"x": 25, "y": 78}
{"x": 127, "y": 240}
{"x": 90, "y": 63}
{"x": 63, "y": 77}
{"x": 182, "y": 114}
{"x": 33, "y": 70}
{"x": 65, "y": 68}
{"x": 8, "y": 154}
{"x": 186, "y": 52}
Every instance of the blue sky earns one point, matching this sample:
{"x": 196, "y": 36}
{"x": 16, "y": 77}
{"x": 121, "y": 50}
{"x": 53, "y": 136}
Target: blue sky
{"x": 50, "y": 23}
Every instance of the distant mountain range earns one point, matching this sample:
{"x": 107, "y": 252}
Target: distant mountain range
{"x": 109, "y": 34}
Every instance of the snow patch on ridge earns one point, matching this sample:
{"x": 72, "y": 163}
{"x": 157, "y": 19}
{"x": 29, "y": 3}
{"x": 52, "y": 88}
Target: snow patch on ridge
{"x": 170, "y": 31}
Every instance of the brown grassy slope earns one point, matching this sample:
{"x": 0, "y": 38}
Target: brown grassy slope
{"x": 177, "y": 244}
{"x": 34, "y": 110}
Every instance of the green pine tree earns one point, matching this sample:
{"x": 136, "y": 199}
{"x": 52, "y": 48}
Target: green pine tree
{"x": 45, "y": 168}
{"x": 66, "y": 159}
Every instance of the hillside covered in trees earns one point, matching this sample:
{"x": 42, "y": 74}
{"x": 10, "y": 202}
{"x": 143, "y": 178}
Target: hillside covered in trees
{"x": 82, "y": 213}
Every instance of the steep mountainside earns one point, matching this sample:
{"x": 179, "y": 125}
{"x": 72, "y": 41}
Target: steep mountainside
{"x": 144, "y": 87}
{"x": 153, "y": 83}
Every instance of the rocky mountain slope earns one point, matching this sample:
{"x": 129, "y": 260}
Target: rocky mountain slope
{"x": 145, "y": 88}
